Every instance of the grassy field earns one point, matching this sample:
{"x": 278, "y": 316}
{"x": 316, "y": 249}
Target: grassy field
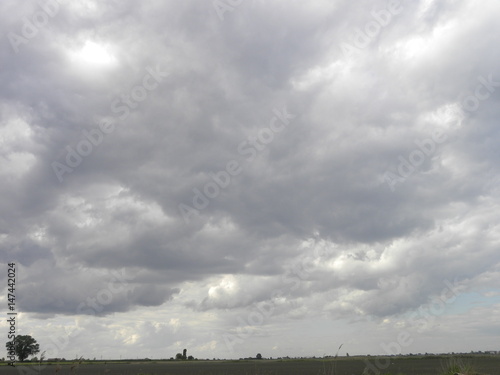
{"x": 432, "y": 365}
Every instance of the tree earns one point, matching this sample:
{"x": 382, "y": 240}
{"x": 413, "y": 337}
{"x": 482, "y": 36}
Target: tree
{"x": 24, "y": 346}
{"x": 178, "y": 356}
{"x": 258, "y": 356}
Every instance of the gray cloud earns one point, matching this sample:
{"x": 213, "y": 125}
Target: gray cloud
{"x": 376, "y": 250}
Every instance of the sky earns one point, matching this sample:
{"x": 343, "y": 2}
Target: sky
{"x": 241, "y": 177}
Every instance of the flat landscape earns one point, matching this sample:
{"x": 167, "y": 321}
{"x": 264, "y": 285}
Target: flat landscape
{"x": 426, "y": 365}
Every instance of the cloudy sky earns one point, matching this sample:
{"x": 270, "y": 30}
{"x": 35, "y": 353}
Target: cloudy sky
{"x": 235, "y": 177}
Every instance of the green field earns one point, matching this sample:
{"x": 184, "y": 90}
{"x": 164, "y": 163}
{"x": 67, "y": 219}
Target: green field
{"x": 429, "y": 365}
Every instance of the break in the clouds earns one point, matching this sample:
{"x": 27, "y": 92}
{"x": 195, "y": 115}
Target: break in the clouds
{"x": 240, "y": 177}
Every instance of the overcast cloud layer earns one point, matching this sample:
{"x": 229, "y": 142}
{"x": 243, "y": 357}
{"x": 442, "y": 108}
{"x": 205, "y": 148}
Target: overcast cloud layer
{"x": 236, "y": 177}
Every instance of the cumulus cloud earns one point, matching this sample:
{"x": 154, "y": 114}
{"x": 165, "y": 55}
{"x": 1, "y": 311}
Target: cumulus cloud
{"x": 328, "y": 162}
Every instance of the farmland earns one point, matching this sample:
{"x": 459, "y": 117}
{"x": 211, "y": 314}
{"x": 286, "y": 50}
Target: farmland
{"x": 426, "y": 365}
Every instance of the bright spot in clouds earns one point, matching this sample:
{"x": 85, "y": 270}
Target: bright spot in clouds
{"x": 93, "y": 55}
